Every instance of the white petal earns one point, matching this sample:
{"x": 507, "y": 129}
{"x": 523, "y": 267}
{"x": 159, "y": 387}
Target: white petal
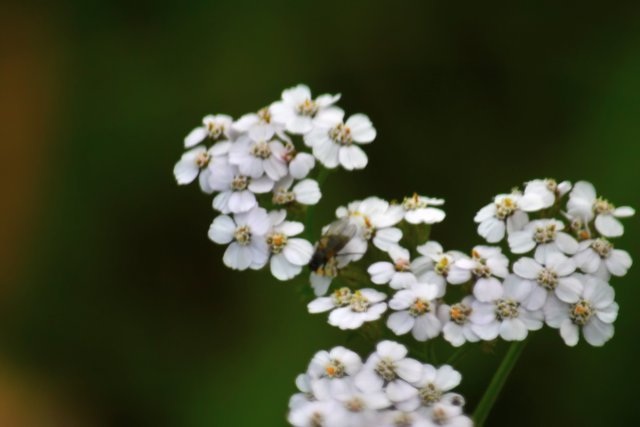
{"x": 566, "y": 243}
{"x": 222, "y": 229}
{"x": 569, "y": 332}
{"x": 409, "y": 370}
{"x": 301, "y": 165}
{"x": 597, "y": 332}
{"x": 186, "y": 170}
{"x": 392, "y": 350}
{"x": 320, "y": 305}
{"x": 492, "y": 230}
{"x": 618, "y": 262}
{"x": 381, "y": 272}
{"x": 624, "y": 212}
{"x": 569, "y": 289}
{"x": 609, "y": 226}
{"x": 400, "y": 323}
{"x": 517, "y": 221}
{"x": 608, "y": 314}
{"x": 283, "y": 269}
{"x": 242, "y": 201}
{"x": 221, "y": 202}
{"x": 399, "y": 390}
{"x": 195, "y": 137}
{"x": 531, "y": 202}
{"x": 320, "y": 284}
{"x": 361, "y": 128}
{"x": 368, "y": 381}
{"x": 352, "y": 157}
{"x": 521, "y": 242}
{"x": 237, "y": 257}
{"x": 298, "y": 251}
{"x": 307, "y": 192}
{"x": 487, "y": 289}
{"x": 261, "y": 185}
{"x": 583, "y": 190}
{"x": 448, "y": 378}
{"x": 527, "y": 268}
{"x": 426, "y": 216}
{"x": 326, "y": 152}
{"x": 426, "y": 326}
{"x": 513, "y": 330}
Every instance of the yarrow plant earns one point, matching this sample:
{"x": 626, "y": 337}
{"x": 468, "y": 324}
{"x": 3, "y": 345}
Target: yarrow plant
{"x": 548, "y": 259}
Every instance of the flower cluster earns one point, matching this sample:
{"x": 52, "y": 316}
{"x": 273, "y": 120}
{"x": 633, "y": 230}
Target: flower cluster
{"x": 259, "y": 173}
{"x": 548, "y": 258}
{"x": 547, "y": 262}
{"x": 389, "y": 389}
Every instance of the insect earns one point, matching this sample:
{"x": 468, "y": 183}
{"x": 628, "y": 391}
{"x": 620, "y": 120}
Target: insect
{"x": 331, "y": 242}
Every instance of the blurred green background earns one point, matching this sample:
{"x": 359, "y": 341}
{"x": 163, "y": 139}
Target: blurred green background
{"x": 116, "y": 309}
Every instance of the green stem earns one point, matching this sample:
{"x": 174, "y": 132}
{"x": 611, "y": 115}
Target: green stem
{"x": 497, "y": 383}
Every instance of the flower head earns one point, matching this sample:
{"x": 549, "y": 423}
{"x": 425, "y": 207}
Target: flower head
{"x": 594, "y": 313}
{"x": 585, "y": 204}
{"x": 245, "y": 235}
{"x": 298, "y": 109}
{"x": 335, "y": 142}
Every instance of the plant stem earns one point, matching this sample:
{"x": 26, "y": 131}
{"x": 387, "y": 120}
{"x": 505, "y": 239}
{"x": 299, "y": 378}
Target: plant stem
{"x": 497, "y": 383}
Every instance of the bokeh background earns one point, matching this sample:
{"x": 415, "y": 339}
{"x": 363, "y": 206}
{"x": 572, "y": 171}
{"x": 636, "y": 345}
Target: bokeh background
{"x": 115, "y": 308}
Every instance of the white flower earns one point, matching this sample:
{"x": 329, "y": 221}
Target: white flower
{"x": 236, "y": 190}
{"x": 329, "y": 370}
{"x": 390, "y": 369}
{"x": 335, "y": 142}
{"x": 245, "y": 233}
{"x": 554, "y": 276}
{"x": 305, "y": 192}
{"x": 486, "y": 263}
{"x": 404, "y": 419}
{"x": 256, "y": 158}
{"x": 350, "y": 310}
{"x": 549, "y": 190}
{"x": 443, "y": 414}
{"x": 584, "y": 203}
{"x": 318, "y": 413}
{"x": 213, "y": 127}
{"x": 598, "y": 257}
{"x": 288, "y": 255}
{"x": 506, "y": 317}
{"x": 375, "y": 219}
{"x": 437, "y": 264}
{"x": 304, "y": 395}
{"x": 361, "y": 409}
{"x": 297, "y": 109}
{"x": 594, "y": 313}
{"x": 508, "y": 212}
{"x": 546, "y": 236}
{"x": 300, "y": 163}
{"x": 457, "y": 326}
{"x": 260, "y": 126}
{"x": 399, "y": 273}
{"x": 419, "y": 210}
{"x": 416, "y": 312}
{"x": 434, "y": 387}
{"x": 198, "y": 162}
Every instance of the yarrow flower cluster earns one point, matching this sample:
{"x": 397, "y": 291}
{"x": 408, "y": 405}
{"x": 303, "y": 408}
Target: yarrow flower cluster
{"x": 259, "y": 174}
{"x": 559, "y": 274}
{"x": 388, "y": 389}
{"x": 548, "y": 258}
